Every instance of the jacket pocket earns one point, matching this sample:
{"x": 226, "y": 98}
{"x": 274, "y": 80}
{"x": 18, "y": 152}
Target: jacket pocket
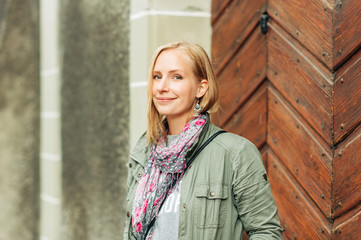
{"x": 210, "y": 205}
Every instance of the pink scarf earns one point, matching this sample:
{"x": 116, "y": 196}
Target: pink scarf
{"x": 164, "y": 169}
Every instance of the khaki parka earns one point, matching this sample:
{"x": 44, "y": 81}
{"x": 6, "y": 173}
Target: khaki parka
{"x": 224, "y": 192}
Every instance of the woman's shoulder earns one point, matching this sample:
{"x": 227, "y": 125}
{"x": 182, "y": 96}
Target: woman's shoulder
{"x": 239, "y": 148}
{"x": 233, "y": 142}
{"x": 140, "y": 150}
{"x": 241, "y": 152}
{"x": 237, "y": 143}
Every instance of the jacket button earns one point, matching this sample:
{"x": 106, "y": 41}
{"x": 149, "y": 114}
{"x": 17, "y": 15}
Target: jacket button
{"x": 212, "y": 194}
{"x": 130, "y": 165}
{"x": 128, "y": 214}
{"x": 184, "y": 205}
{"x": 139, "y": 175}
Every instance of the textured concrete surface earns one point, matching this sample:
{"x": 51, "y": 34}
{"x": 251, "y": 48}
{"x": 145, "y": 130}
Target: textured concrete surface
{"x": 19, "y": 119}
{"x": 95, "y": 112}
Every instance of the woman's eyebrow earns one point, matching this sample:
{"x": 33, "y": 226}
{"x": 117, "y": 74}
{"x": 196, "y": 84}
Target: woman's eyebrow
{"x": 171, "y": 71}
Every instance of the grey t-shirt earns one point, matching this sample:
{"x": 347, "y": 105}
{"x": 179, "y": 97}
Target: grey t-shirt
{"x": 166, "y": 225}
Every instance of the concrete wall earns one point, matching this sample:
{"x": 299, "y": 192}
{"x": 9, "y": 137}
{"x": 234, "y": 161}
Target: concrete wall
{"x": 153, "y": 23}
{"x": 94, "y": 117}
{"x": 19, "y": 119}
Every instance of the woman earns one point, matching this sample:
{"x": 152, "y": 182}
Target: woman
{"x": 179, "y": 188}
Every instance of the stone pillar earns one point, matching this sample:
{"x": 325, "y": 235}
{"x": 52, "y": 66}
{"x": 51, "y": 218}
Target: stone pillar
{"x": 19, "y": 119}
{"x": 95, "y": 116}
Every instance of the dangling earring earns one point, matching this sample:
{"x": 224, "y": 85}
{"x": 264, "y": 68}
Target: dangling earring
{"x": 197, "y": 109}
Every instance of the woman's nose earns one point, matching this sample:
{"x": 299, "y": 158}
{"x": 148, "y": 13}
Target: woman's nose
{"x": 163, "y": 84}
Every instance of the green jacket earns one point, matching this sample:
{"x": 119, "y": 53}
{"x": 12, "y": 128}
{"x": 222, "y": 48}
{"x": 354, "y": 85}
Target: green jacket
{"x": 223, "y": 193}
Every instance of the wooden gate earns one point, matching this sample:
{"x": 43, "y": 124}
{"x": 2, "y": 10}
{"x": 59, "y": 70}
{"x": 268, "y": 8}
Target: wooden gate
{"x": 295, "y": 91}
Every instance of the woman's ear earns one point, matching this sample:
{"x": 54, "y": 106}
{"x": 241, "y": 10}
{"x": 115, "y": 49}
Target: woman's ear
{"x": 202, "y": 88}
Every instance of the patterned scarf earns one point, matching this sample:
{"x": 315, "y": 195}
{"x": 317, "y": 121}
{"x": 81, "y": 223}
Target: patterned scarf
{"x": 164, "y": 169}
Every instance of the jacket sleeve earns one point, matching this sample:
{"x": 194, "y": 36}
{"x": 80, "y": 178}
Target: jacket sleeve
{"x": 252, "y": 193}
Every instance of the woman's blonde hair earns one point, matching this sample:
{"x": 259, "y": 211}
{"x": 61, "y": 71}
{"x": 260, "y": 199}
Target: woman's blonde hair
{"x": 202, "y": 69}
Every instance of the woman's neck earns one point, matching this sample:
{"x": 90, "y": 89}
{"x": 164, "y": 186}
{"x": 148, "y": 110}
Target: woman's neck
{"x": 176, "y": 125}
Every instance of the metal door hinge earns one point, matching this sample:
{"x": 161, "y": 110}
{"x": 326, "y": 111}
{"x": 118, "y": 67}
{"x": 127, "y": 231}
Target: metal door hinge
{"x": 263, "y": 23}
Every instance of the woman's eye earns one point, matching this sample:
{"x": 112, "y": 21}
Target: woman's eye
{"x": 157, "y": 77}
{"x": 177, "y": 77}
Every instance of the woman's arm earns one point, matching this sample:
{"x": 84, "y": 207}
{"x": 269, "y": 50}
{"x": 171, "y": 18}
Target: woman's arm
{"x": 252, "y": 193}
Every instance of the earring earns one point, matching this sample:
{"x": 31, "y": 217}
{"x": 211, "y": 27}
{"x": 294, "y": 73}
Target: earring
{"x": 197, "y": 109}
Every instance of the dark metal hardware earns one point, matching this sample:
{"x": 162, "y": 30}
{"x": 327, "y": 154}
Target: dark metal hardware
{"x": 263, "y": 23}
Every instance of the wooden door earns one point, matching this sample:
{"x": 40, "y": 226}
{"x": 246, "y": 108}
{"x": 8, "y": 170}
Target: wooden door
{"x": 294, "y": 90}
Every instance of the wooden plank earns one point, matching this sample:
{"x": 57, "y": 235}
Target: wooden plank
{"x": 347, "y": 174}
{"x": 250, "y": 120}
{"x": 218, "y": 6}
{"x": 299, "y": 216}
{"x": 346, "y": 30}
{"x": 348, "y": 226}
{"x": 303, "y": 81}
{"x": 306, "y": 156}
{"x": 230, "y": 31}
{"x": 308, "y": 21}
{"x": 347, "y": 97}
{"x": 264, "y": 152}
{"x": 244, "y": 74}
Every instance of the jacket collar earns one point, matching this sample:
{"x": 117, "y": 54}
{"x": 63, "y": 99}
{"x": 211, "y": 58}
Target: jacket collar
{"x": 140, "y": 151}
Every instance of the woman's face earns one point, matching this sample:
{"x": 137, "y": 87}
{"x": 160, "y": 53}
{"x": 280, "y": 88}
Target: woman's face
{"x": 175, "y": 87}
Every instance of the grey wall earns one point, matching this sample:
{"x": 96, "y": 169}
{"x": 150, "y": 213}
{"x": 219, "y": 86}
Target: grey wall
{"x": 19, "y": 119}
{"x": 94, "y": 39}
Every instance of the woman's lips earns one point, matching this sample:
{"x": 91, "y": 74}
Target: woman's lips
{"x": 163, "y": 99}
